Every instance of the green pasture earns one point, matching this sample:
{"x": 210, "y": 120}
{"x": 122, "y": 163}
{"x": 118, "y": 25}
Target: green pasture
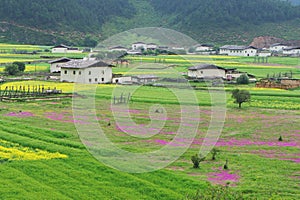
{"x": 80, "y": 176}
{"x": 265, "y": 168}
{"x": 274, "y": 66}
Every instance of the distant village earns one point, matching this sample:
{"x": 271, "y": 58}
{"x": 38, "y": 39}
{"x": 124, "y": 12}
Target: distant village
{"x": 94, "y": 71}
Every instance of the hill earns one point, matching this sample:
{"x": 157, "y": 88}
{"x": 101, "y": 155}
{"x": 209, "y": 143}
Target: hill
{"x": 84, "y": 22}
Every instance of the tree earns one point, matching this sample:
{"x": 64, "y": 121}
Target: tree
{"x": 11, "y": 69}
{"x": 196, "y": 160}
{"x": 241, "y": 96}
{"x": 214, "y": 152}
{"x": 243, "y": 79}
{"x": 21, "y": 66}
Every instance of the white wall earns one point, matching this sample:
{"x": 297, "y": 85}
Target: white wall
{"x": 59, "y": 50}
{"x": 291, "y": 52}
{"x": 206, "y": 73}
{"x": 277, "y": 48}
{"x": 203, "y": 48}
{"x": 55, "y": 67}
{"x": 122, "y": 79}
{"x": 93, "y": 75}
{"x": 245, "y": 52}
{"x": 138, "y": 46}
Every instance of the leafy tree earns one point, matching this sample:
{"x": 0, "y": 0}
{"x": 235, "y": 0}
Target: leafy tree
{"x": 241, "y": 96}
{"x": 11, "y": 69}
{"x": 196, "y": 160}
{"x": 21, "y": 66}
{"x": 243, "y": 79}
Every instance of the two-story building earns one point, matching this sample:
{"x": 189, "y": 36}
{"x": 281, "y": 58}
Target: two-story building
{"x": 86, "y": 71}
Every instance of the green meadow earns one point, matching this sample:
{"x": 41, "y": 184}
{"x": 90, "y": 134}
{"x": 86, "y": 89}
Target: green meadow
{"x": 259, "y": 165}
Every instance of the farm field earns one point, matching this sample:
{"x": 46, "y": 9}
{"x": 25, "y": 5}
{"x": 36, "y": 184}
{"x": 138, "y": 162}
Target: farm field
{"x": 259, "y": 165}
{"x": 42, "y": 155}
{"x": 275, "y": 65}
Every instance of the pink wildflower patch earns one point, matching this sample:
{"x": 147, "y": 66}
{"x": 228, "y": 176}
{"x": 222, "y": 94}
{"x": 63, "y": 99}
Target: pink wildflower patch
{"x": 245, "y": 142}
{"x": 20, "y": 114}
{"x": 222, "y": 177}
{"x": 65, "y": 117}
{"x": 276, "y": 154}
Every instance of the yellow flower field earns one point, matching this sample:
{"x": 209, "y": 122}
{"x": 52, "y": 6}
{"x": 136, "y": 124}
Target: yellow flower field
{"x": 4, "y": 46}
{"x": 31, "y": 68}
{"x": 65, "y": 87}
{"x": 12, "y": 151}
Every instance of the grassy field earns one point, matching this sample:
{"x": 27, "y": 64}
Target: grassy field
{"x": 275, "y": 65}
{"x": 42, "y": 156}
{"x": 259, "y": 165}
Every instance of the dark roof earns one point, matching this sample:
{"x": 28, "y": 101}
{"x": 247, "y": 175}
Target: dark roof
{"x": 139, "y": 43}
{"x": 118, "y": 47}
{"x": 152, "y": 44}
{"x": 291, "y": 48}
{"x": 204, "y": 45}
{"x": 82, "y": 64}
{"x": 205, "y": 66}
{"x": 236, "y": 47}
{"x": 60, "y": 60}
{"x": 277, "y": 44}
{"x": 61, "y": 46}
{"x": 73, "y": 48}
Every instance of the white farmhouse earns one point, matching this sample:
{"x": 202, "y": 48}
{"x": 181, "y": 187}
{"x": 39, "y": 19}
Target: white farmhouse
{"x": 139, "y": 46}
{"x": 204, "y": 47}
{"x": 152, "y": 46}
{"x": 65, "y": 49}
{"x": 277, "y": 47}
{"x": 234, "y": 50}
{"x": 291, "y": 51}
{"x": 208, "y": 71}
{"x": 55, "y": 65}
{"x": 86, "y": 71}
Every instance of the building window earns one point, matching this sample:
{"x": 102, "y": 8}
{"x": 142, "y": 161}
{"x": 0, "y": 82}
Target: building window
{"x": 79, "y": 72}
{"x": 66, "y": 72}
{"x": 102, "y": 79}
{"x": 96, "y": 80}
{"x": 74, "y": 72}
{"x": 90, "y": 72}
{"x": 90, "y": 80}
{"x": 201, "y": 72}
{"x": 102, "y": 71}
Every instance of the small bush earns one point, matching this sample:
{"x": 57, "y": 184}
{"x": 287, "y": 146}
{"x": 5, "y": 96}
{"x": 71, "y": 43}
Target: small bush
{"x": 214, "y": 152}
{"x": 21, "y": 66}
{"x": 243, "y": 79}
{"x": 11, "y": 69}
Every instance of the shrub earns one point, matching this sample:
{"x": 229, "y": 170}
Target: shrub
{"x": 214, "y": 152}
{"x": 21, "y": 66}
{"x": 243, "y": 79}
{"x": 11, "y": 69}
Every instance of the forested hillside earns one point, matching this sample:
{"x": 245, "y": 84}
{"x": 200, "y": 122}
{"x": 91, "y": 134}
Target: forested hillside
{"x": 84, "y": 22}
